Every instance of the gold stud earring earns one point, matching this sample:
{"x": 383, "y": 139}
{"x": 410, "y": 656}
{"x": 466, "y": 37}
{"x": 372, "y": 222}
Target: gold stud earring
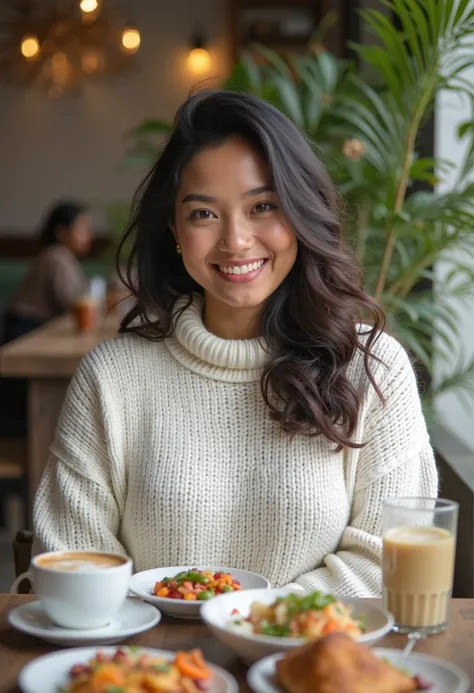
{"x": 178, "y": 248}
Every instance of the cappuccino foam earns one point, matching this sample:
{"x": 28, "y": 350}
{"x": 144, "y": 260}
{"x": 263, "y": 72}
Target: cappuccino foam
{"x": 80, "y": 562}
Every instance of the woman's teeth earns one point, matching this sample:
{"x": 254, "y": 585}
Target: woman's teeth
{"x": 241, "y": 269}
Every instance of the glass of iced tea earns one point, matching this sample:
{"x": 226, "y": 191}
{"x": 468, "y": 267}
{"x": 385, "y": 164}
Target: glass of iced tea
{"x": 419, "y": 547}
{"x": 86, "y": 313}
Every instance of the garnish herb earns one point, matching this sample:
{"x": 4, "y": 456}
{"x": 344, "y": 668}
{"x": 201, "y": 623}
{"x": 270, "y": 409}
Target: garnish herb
{"x": 277, "y": 631}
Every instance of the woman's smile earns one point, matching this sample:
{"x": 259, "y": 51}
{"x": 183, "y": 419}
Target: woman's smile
{"x": 240, "y": 271}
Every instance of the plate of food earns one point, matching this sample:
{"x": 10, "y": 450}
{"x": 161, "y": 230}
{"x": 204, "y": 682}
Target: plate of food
{"x": 337, "y": 663}
{"x": 124, "y": 670}
{"x": 257, "y": 623}
{"x": 180, "y": 591}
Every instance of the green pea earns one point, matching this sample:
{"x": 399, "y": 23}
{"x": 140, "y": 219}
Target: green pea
{"x": 162, "y": 668}
{"x": 227, "y": 588}
{"x": 205, "y": 595}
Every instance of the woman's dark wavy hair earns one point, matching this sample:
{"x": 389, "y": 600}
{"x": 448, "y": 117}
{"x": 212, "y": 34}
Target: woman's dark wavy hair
{"x": 62, "y": 215}
{"x": 310, "y": 322}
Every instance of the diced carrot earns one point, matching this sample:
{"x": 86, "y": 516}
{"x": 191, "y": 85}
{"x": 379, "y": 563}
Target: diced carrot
{"x": 163, "y": 592}
{"x": 105, "y": 676}
{"x": 190, "y": 597}
{"x": 198, "y": 659}
{"x": 332, "y": 627}
{"x": 192, "y": 665}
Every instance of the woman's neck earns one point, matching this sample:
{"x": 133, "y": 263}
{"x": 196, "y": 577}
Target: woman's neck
{"x": 230, "y": 323}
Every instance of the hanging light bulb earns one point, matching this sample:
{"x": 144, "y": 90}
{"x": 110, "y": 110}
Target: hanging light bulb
{"x": 88, "y": 5}
{"x": 199, "y": 59}
{"x": 30, "y": 47}
{"x": 130, "y": 40}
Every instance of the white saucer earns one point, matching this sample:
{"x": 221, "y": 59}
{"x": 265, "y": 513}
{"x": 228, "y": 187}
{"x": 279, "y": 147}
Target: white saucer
{"x": 445, "y": 677}
{"x": 48, "y": 673}
{"x": 134, "y": 617}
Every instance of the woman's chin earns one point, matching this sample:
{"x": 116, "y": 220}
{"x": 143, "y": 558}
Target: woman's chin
{"x": 240, "y": 298}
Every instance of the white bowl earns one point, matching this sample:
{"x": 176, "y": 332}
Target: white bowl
{"x": 217, "y": 613}
{"x": 142, "y": 585}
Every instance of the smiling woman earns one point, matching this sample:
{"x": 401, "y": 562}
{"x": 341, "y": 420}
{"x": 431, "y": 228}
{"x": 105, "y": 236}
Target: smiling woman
{"x": 246, "y": 416}
{"x": 235, "y": 241}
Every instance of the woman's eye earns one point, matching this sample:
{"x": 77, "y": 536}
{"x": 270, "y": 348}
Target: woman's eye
{"x": 200, "y": 214}
{"x": 263, "y": 207}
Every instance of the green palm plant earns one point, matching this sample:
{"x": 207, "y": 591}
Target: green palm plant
{"x": 367, "y": 134}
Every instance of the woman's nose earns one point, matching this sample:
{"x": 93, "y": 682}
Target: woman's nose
{"x": 236, "y": 236}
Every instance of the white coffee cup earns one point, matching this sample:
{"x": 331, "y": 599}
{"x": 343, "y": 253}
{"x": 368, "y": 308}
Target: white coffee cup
{"x": 79, "y": 589}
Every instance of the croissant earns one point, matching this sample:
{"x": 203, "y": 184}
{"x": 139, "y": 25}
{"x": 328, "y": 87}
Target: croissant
{"x": 338, "y": 664}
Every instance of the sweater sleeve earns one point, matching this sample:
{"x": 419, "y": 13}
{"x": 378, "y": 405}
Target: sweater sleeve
{"x": 397, "y": 460}
{"x": 80, "y": 499}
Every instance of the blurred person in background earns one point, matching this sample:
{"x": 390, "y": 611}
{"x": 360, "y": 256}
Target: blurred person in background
{"x": 53, "y": 282}
{"x": 55, "y": 279}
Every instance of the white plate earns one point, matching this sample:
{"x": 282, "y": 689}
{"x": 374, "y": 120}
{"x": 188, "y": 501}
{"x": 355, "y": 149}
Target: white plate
{"x": 134, "y": 617}
{"x": 142, "y": 585}
{"x": 46, "y": 674}
{"x": 217, "y": 614}
{"x": 446, "y": 678}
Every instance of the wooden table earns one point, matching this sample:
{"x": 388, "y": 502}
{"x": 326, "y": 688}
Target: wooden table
{"x": 48, "y": 358}
{"x": 16, "y": 649}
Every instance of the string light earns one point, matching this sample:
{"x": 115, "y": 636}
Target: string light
{"x": 30, "y": 47}
{"x": 88, "y": 5}
{"x": 131, "y": 40}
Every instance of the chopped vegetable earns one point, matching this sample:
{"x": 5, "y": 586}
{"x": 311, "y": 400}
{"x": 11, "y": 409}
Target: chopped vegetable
{"x": 129, "y": 672}
{"x": 307, "y": 616}
{"x": 192, "y": 665}
{"x": 205, "y": 595}
{"x": 196, "y": 585}
{"x": 276, "y": 631}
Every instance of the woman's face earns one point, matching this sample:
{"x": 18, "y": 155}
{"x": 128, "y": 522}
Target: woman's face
{"x": 78, "y": 237}
{"x": 234, "y": 239}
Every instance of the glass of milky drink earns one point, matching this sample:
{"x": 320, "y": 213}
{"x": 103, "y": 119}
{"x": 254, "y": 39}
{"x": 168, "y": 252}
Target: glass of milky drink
{"x": 79, "y": 589}
{"x": 419, "y": 546}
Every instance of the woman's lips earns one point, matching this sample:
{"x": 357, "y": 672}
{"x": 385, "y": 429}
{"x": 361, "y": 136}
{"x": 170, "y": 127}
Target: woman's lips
{"x": 245, "y": 276}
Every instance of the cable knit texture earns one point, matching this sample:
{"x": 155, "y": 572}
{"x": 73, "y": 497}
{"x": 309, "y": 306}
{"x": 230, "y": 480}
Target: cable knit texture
{"x": 166, "y": 451}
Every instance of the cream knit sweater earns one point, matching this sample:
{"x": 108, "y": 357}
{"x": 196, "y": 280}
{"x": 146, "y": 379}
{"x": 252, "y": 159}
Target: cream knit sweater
{"x": 166, "y": 451}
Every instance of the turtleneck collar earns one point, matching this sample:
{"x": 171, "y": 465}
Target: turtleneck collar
{"x": 229, "y": 360}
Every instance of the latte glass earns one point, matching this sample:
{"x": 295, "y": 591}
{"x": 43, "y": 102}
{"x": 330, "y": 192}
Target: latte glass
{"x": 419, "y": 547}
